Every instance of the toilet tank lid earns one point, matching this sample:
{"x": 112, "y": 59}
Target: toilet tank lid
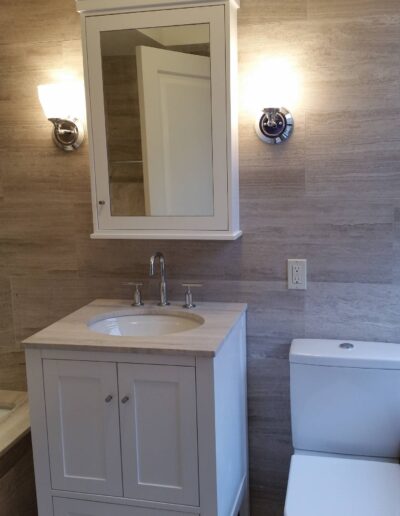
{"x": 345, "y": 353}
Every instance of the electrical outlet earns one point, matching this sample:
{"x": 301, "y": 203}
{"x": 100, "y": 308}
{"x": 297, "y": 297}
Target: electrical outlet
{"x": 297, "y": 274}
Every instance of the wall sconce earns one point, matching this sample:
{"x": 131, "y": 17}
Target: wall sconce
{"x": 270, "y": 83}
{"x": 63, "y": 105}
{"x": 275, "y": 125}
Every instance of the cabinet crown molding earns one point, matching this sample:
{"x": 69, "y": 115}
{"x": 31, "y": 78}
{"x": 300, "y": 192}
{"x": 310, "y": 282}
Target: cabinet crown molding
{"x": 88, "y": 6}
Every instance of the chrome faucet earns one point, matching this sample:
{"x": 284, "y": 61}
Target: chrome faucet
{"x": 163, "y": 283}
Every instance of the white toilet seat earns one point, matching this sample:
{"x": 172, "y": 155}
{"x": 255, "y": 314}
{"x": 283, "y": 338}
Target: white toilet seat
{"x": 330, "y": 486}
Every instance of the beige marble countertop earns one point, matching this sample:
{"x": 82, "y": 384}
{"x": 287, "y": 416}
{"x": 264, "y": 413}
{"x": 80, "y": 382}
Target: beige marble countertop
{"x": 14, "y": 418}
{"x": 73, "y": 333}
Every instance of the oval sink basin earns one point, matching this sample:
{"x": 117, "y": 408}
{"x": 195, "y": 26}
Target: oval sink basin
{"x": 145, "y": 325}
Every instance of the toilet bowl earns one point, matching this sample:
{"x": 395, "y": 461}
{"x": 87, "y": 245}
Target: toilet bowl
{"x": 328, "y": 486}
{"x": 345, "y": 404}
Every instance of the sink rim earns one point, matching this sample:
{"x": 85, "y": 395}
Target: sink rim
{"x": 152, "y": 311}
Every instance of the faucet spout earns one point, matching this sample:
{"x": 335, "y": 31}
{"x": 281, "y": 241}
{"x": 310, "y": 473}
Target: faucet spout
{"x": 163, "y": 283}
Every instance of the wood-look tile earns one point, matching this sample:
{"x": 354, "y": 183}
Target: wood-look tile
{"x": 359, "y": 252}
{"x": 29, "y": 20}
{"x": 262, "y": 347}
{"x": 355, "y": 253}
{"x": 269, "y": 427}
{"x": 7, "y": 340}
{"x": 35, "y": 171}
{"x": 269, "y": 461}
{"x": 264, "y": 182}
{"x": 268, "y": 500}
{"x": 355, "y": 175}
{"x": 275, "y": 323}
{"x": 284, "y": 41}
{"x": 342, "y": 73}
{"x": 37, "y": 187}
{"x": 12, "y": 370}
{"x": 396, "y": 247}
{"x": 259, "y": 213}
{"x": 353, "y": 311}
{"x": 347, "y": 50}
{"x": 268, "y": 392}
{"x": 369, "y": 132}
{"x": 37, "y": 240}
{"x": 17, "y": 484}
{"x": 254, "y": 12}
{"x": 335, "y": 9}
{"x": 269, "y": 467}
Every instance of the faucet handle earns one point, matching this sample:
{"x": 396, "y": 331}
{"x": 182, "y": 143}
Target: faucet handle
{"x": 188, "y": 294}
{"x": 137, "y": 296}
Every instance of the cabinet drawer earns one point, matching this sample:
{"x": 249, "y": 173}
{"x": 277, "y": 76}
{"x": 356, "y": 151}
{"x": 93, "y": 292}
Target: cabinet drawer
{"x": 70, "y": 507}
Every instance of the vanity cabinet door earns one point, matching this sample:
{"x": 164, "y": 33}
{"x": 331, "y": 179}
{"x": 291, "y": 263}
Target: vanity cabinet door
{"x": 159, "y": 433}
{"x": 83, "y": 426}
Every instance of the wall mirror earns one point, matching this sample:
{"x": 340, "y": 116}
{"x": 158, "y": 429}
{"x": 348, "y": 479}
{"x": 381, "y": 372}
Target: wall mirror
{"x": 157, "y": 102}
{"x": 161, "y": 124}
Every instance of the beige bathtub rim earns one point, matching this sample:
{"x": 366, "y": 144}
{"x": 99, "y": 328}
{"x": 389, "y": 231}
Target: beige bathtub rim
{"x": 14, "y": 418}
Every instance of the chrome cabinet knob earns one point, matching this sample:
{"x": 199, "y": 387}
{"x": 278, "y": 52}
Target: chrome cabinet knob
{"x": 188, "y": 294}
{"x": 125, "y": 399}
{"x": 108, "y": 399}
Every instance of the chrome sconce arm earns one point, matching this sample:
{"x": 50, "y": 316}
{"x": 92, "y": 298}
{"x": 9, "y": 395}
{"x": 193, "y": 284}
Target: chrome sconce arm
{"x": 275, "y": 125}
{"x": 68, "y": 134}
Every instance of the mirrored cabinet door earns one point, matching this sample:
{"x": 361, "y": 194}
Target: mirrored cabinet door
{"x": 158, "y": 116}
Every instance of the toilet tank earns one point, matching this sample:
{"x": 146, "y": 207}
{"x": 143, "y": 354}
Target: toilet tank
{"x": 345, "y": 397}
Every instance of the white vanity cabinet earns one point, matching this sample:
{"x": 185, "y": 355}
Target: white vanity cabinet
{"x": 150, "y": 432}
{"x": 160, "y": 79}
{"x": 139, "y": 434}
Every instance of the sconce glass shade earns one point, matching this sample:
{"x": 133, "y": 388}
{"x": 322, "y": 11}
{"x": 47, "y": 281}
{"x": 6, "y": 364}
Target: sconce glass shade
{"x": 64, "y": 105}
{"x": 62, "y": 100}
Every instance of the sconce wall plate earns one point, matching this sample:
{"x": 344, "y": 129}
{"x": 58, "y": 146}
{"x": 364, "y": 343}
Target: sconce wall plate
{"x": 275, "y": 125}
{"x": 68, "y": 134}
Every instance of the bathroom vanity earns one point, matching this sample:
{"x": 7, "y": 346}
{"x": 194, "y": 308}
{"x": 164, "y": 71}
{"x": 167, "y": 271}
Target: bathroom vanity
{"x": 140, "y": 411}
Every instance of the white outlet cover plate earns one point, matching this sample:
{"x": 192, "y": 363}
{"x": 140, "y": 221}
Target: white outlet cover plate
{"x": 297, "y": 274}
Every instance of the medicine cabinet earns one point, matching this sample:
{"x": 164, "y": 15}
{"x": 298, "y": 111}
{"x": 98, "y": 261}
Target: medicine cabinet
{"x": 160, "y": 81}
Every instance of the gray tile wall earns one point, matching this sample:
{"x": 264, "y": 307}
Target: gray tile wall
{"x": 330, "y": 195}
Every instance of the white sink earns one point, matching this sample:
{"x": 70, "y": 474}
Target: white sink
{"x": 144, "y": 324}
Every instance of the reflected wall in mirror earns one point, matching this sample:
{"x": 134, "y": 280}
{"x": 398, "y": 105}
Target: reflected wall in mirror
{"x": 157, "y": 100}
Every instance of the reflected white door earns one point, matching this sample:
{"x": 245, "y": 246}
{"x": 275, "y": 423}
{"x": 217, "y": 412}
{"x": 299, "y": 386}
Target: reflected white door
{"x": 176, "y": 128}
{"x": 83, "y": 426}
{"x": 159, "y": 433}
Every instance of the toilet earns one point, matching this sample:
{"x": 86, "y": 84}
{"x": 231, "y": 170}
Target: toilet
{"x": 345, "y": 409}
